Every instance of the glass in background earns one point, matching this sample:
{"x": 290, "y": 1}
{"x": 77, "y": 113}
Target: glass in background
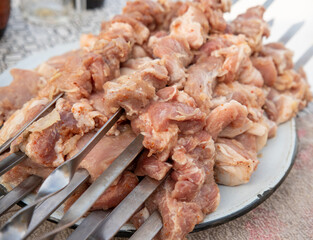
{"x": 46, "y": 11}
{"x": 54, "y": 11}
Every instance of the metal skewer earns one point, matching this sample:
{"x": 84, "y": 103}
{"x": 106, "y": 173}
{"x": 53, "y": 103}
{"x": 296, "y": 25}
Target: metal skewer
{"x": 7, "y": 144}
{"x": 10, "y": 161}
{"x": 291, "y": 32}
{"x": 89, "y": 196}
{"x": 304, "y": 59}
{"x": 103, "y": 182}
{"x": 90, "y": 223}
{"x": 73, "y": 216}
{"x": 19, "y": 192}
{"x": 267, "y": 4}
{"x": 122, "y": 213}
{"x": 154, "y": 223}
{"x": 149, "y": 228}
{"x": 44, "y": 210}
{"x": 17, "y": 226}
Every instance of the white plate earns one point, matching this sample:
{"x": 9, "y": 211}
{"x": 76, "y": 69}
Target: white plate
{"x": 276, "y": 160}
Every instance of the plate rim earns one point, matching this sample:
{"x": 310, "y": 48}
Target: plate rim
{"x": 260, "y": 198}
{"x": 249, "y": 207}
{"x": 225, "y": 219}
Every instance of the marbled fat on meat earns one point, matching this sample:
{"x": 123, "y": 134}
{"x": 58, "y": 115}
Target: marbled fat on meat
{"x": 206, "y": 94}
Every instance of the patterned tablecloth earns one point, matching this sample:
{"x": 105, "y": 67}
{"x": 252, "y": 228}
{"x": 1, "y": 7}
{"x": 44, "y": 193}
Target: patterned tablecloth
{"x": 287, "y": 214}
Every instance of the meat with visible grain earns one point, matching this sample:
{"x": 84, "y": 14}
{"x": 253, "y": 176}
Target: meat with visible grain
{"x": 176, "y": 54}
{"x": 162, "y": 119}
{"x": 19, "y": 118}
{"x": 202, "y": 80}
{"x": 116, "y": 192}
{"x": 266, "y": 67}
{"x": 253, "y": 26}
{"x": 229, "y": 115}
{"x": 190, "y": 191}
{"x": 206, "y": 95}
{"x": 281, "y": 56}
{"x": 192, "y": 25}
{"x": 214, "y": 9}
{"x": 104, "y": 153}
{"x": 234, "y": 163}
{"x": 134, "y": 92}
{"x": 250, "y": 96}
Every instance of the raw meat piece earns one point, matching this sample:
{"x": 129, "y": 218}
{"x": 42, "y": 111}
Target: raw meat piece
{"x": 161, "y": 120}
{"x": 253, "y": 26}
{"x": 231, "y": 114}
{"x": 190, "y": 191}
{"x": 104, "y": 153}
{"x": 25, "y": 85}
{"x": 133, "y": 92}
{"x": 192, "y": 25}
{"x": 19, "y": 118}
{"x": 282, "y": 57}
{"x": 116, "y": 192}
{"x": 201, "y": 81}
{"x": 266, "y": 67}
{"x": 233, "y": 163}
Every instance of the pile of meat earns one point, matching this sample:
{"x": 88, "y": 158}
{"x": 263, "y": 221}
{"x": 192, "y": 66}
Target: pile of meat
{"x": 205, "y": 93}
